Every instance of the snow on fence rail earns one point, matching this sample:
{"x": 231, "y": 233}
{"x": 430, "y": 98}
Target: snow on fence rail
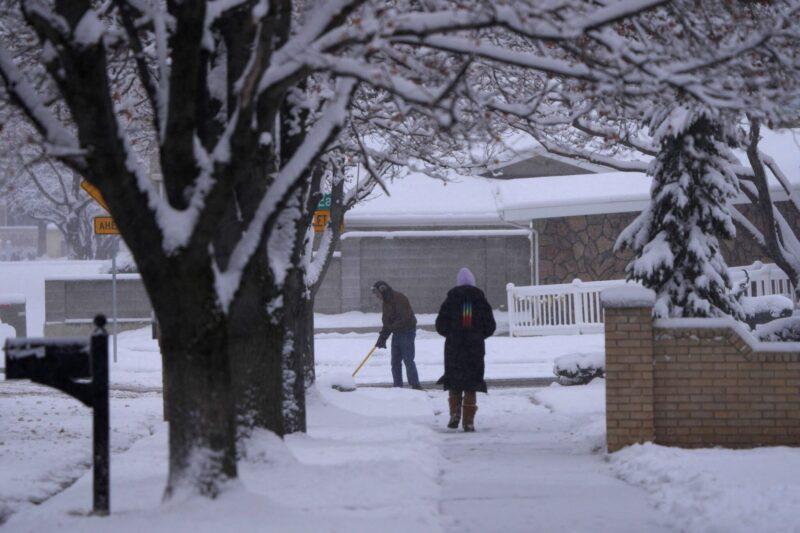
{"x": 574, "y": 308}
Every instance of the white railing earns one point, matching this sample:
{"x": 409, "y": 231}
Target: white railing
{"x": 574, "y": 308}
{"x": 764, "y": 279}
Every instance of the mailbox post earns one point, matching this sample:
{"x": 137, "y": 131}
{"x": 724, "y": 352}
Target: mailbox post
{"x": 60, "y": 363}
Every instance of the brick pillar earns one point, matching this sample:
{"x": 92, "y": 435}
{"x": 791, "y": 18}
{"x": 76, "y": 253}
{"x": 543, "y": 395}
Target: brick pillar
{"x": 629, "y": 366}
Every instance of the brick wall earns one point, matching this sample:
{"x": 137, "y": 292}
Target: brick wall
{"x": 677, "y": 384}
{"x": 710, "y": 388}
{"x": 629, "y": 376}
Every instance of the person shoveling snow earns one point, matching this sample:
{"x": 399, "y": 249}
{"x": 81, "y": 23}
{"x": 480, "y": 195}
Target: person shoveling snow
{"x": 399, "y": 322}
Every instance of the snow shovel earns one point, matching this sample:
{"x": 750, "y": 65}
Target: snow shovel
{"x": 365, "y": 360}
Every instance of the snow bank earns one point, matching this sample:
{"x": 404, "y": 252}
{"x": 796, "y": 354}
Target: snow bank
{"x": 628, "y": 296}
{"x": 586, "y": 406}
{"x": 6, "y": 332}
{"x": 340, "y": 381}
{"x": 574, "y": 400}
{"x": 717, "y": 490}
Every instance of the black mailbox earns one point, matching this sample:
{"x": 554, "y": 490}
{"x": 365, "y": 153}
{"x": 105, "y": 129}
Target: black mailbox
{"x": 66, "y": 364}
{"x": 34, "y": 358}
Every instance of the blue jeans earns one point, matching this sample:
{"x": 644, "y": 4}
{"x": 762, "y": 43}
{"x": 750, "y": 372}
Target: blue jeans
{"x": 403, "y": 351}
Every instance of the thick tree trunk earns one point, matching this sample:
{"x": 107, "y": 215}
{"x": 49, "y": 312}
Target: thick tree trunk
{"x": 309, "y": 361}
{"x": 201, "y": 406}
{"x": 296, "y": 327}
{"x": 255, "y": 346}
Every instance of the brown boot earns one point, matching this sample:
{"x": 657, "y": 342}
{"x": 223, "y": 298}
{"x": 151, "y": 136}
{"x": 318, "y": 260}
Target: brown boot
{"x": 455, "y": 409}
{"x": 470, "y": 407}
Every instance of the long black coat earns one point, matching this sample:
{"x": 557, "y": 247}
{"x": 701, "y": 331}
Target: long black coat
{"x": 466, "y": 320}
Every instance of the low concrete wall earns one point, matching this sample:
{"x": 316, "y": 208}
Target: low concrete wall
{"x": 329, "y": 295}
{"x": 71, "y": 304}
{"x": 697, "y": 383}
{"x": 424, "y": 268}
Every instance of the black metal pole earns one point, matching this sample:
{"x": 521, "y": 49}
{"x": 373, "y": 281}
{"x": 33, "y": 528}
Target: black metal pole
{"x": 101, "y": 423}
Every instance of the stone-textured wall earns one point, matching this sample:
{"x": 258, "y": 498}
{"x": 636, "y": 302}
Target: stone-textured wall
{"x": 582, "y": 246}
{"x": 692, "y": 386}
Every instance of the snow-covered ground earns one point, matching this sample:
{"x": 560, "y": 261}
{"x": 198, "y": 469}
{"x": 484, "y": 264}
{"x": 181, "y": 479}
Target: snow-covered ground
{"x": 45, "y": 439}
{"x": 380, "y": 459}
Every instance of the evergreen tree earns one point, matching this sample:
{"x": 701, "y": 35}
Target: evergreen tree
{"x": 676, "y": 238}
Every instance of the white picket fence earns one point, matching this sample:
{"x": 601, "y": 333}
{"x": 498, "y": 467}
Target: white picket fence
{"x": 574, "y": 308}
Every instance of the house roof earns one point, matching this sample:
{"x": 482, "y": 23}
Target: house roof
{"x": 620, "y": 192}
{"x": 418, "y": 200}
{"x": 537, "y": 162}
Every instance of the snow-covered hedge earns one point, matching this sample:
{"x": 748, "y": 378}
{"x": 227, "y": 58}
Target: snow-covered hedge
{"x": 763, "y": 309}
{"x": 579, "y": 368}
{"x": 783, "y": 329}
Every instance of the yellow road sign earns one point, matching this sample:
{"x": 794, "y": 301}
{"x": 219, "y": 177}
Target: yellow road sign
{"x": 105, "y": 226}
{"x": 94, "y": 192}
{"x": 320, "y": 220}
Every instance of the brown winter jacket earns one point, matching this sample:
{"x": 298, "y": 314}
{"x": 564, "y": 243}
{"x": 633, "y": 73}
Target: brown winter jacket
{"x": 397, "y": 315}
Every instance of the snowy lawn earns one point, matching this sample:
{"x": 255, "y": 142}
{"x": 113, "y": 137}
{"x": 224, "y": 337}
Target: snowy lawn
{"x": 45, "y": 438}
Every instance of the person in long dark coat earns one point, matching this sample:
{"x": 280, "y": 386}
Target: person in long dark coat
{"x": 465, "y": 320}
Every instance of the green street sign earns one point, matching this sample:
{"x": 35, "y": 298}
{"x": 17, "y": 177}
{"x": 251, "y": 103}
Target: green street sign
{"x": 325, "y": 203}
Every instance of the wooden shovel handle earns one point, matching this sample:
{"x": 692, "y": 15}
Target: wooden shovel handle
{"x": 365, "y": 360}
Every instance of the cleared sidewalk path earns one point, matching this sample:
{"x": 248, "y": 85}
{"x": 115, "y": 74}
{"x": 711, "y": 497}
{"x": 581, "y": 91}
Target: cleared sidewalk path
{"x": 528, "y": 469}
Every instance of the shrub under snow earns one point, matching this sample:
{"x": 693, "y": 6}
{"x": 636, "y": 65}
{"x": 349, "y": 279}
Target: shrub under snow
{"x": 579, "y": 368}
{"x": 763, "y": 309}
{"x": 783, "y": 329}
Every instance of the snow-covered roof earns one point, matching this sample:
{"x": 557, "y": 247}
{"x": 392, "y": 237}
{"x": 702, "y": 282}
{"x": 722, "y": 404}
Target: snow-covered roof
{"x": 583, "y": 194}
{"x": 621, "y": 192}
{"x": 418, "y": 200}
